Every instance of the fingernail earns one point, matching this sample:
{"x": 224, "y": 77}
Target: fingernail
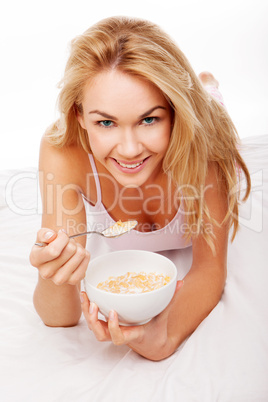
{"x": 180, "y": 284}
{"x": 91, "y": 308}
{"x": 63, "y": 230}
{"x": 81, "y": 297}
{"x": 111, "y": 315}
{"x": 48, "y": 235}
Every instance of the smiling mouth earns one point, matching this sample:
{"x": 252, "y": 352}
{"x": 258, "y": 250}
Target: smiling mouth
{"x": 131, "y": 165}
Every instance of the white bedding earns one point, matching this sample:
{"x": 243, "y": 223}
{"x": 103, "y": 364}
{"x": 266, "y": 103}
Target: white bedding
{"x": 224, "y": 360}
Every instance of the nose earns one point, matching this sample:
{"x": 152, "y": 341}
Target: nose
{"x": 130, "y": 145}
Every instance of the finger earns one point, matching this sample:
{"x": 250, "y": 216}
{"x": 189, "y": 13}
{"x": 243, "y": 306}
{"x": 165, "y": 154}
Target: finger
{"x": 85, "y": 306}
{"x": 90, "y": 311}
{"x": 123, "y": 335}
{"x": 74, "y": 268}
{"x": 117, "y": 336}
{"x": 45, "y": 235}
{"x": 54, "y": 249}
{"x": 179, "y": 285}
{"x": 49, "y": 268}
{"x": 41, "y": 255}
{"x": 80, "y": 272}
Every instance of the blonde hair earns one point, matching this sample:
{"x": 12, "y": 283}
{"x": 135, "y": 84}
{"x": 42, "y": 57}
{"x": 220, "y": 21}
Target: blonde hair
{"x": 202, "y": 132}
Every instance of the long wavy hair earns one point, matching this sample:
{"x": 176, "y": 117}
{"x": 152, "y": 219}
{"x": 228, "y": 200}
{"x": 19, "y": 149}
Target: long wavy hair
{"x": 202, "y": 129}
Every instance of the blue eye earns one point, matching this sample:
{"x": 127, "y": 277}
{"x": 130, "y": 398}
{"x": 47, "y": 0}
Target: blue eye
{"x": 149, "y": 120}
{"x": 106, "y": 123}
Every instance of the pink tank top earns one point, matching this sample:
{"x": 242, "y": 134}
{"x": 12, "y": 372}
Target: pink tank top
{"x": 169, "y": 237}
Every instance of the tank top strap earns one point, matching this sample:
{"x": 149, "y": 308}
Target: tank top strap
{"x": 96, "y": 177}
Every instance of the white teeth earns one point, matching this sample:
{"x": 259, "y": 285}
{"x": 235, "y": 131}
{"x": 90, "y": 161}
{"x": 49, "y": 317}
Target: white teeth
{"x": 130, "y": 166}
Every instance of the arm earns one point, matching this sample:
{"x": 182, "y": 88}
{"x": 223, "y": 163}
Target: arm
{"x": 200, "y": 293}
{"x": 62, "y": 264}
{"x": 204, "y": 284}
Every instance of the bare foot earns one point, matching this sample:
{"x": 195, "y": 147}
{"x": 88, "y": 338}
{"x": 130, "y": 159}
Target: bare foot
{"x": 207, "y": 78}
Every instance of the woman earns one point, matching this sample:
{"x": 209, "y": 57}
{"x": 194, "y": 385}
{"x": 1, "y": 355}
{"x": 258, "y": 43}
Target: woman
{"x": 138, "y": 136}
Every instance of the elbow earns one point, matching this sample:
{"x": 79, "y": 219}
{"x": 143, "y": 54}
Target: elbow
{"x": 63, "y": 324}
{"x": 58, "y": 322}
{"x": 163, "y": 349}
{"x": 56, "y": 318}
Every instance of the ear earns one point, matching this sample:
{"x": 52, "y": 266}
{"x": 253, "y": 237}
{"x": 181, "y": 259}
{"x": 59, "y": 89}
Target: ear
{"x": 80, "y": 119}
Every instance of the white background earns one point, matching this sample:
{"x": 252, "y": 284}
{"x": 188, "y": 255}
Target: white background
{"x": 227, "y": 37}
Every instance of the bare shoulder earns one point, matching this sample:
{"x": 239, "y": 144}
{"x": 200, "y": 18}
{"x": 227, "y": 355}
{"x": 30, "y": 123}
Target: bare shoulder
{"x": 64, "y": 164}
{"x": 63, "y": 173}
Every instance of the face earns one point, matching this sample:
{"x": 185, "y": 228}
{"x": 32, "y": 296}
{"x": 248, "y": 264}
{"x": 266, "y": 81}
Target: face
{"x": 128, "y": 121}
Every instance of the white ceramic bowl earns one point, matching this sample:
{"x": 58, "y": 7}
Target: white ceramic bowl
{"x": 132, "y": 309}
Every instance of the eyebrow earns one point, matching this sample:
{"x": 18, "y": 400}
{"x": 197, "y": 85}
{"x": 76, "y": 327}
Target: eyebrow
{"x": 110, "y": 117}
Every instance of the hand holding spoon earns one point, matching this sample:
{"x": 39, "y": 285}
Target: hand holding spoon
{"x": 118, "y": 229}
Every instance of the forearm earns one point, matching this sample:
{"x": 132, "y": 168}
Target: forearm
{"x": 201, "y": 292}
{"x": 192, "y": 302}
{"x": 204, "y": 284}
{"x": 57, "y": 306}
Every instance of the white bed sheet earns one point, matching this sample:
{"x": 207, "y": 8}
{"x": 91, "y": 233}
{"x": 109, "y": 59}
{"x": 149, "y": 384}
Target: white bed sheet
{"x": 225, "y": 359}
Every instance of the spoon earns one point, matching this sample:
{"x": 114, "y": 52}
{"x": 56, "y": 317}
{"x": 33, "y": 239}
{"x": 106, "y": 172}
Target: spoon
{"x": 118, "y": 229}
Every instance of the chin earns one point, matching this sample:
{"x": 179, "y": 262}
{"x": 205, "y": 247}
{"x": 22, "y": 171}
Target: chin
{"x": 131, "y": 182}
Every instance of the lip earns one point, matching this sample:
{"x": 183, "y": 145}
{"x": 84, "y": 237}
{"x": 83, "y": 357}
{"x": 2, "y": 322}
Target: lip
{"x": 143, "y": 163}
